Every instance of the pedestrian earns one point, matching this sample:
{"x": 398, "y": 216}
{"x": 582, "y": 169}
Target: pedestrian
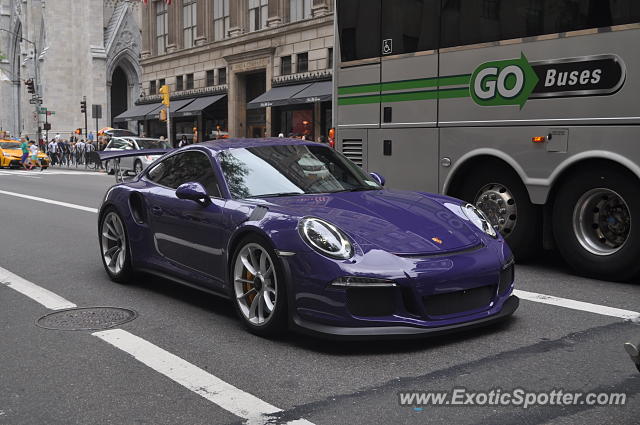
{"x": 33, "y": 156}
{"x": 80, "y": 150}
{"x": 322, "y": 139}
{"x": 24, "y": 146}
{"x": 183, "y": 141}
{"x": 90, "y": 137}
{"x": 52, "y": 149}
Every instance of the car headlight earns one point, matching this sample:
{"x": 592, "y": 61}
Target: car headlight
{"x": 325, "y": 238}
{"x": 479, "y": 219}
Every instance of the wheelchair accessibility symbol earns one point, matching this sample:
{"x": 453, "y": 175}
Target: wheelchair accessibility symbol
{"x": 387, "y": 46}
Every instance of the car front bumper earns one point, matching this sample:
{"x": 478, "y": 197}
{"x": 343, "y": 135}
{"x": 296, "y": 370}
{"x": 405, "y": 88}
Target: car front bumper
{"x": 401, "y": 332}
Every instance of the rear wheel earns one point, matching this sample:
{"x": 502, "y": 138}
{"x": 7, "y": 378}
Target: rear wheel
{"x": 258, "y": 288}
{"x": 114, "y": 247}
{"x": 595, "y": 224}
{"x": 500, "y": 194}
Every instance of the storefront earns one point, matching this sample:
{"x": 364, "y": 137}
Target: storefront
{"x": 198, "y": 119}
{"x": 301, "y": 110}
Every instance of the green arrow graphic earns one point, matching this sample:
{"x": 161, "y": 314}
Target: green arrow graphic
{"x": 505, "y": 82}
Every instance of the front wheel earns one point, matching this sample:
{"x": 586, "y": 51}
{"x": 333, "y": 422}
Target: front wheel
{"x": 596, "y": 219}
{"x": 500, "y": 194}
{"x": 258, "y": 287}
{"x": 114, "y": 247}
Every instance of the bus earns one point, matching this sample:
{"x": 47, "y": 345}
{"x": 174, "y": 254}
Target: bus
{"x": 528, "y": 109}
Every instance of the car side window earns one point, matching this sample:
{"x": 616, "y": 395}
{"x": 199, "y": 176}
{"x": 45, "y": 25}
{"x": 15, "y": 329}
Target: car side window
{"x": 192, "y": 166}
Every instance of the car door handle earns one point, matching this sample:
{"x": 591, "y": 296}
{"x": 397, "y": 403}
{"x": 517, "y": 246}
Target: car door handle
{"x": 156, "y": 211}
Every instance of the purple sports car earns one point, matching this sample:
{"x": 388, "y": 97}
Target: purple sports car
{"x": 297, "y": 236}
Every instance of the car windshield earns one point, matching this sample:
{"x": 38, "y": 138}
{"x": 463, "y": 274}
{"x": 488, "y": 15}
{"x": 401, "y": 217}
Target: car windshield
{"x": 9, "y": 145}
{"x": 152, "y": 144}
{"x": 120, "y": 133}
{"x": 284, "y": 170}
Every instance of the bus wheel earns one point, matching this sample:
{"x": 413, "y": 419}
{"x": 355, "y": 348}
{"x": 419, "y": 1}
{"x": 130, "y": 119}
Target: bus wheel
{"x": 592, "y": 224}
{"x": 500, "y": 194}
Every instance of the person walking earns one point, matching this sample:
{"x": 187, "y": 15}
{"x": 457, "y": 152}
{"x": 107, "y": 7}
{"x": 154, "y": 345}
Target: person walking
{"x": 24, "y": 146}
{"x": 80, "y": 149}
{"x": 33, "y": 156}
{"x": 52, "y": 148}
{"x": 183, "y": 141}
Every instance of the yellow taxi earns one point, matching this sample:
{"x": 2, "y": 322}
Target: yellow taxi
{"x": 10, "y": 154}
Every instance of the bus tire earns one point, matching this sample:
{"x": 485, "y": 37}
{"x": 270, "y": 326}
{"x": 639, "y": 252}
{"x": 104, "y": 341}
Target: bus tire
{"x": 499, "y": 192}
{"x": 592, "y": 223}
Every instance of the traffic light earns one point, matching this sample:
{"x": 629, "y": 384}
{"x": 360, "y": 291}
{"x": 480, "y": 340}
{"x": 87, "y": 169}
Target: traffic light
{"x": 78, "y": 131}
{"x": 30, "y": 86}
{"x": 83, "y": 106}
{"x": 163, "y": 114}
{"x": 166, "y": 94}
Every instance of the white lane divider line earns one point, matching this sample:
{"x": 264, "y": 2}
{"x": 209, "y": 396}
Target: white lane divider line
{"x": 37, "y": 293}
{"x": 50, "y": 201}
{"x": 578, "y": 305}
{"x": 230, "y": 398}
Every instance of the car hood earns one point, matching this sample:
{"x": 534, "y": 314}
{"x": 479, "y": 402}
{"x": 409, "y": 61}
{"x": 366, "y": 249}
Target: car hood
{"x": 13, "y": 152}
{"x": 400, "y": 222}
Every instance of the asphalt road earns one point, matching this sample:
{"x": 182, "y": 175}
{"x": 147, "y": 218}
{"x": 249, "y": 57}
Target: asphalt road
{"x": 66, "y": 377}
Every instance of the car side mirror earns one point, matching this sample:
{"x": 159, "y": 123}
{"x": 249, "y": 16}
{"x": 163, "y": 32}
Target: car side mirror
{"x": 377, "y": 177}
{"x": 193, "y": 191}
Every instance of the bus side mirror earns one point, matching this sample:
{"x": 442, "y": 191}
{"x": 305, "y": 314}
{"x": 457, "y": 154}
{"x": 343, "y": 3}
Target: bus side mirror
{"x": 377, "y": 177}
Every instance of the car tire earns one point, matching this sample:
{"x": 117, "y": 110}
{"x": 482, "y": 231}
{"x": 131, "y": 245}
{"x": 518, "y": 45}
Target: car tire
{"x": 113, "y": 239}
{"x": 254, "y": 293}
{"x": 499, "y": 192}
{"x": 593, "y": 214}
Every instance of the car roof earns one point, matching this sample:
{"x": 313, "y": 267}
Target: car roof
{"x": 236, "y": 143}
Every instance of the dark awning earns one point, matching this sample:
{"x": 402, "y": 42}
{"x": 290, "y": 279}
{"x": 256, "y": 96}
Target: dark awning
{"x": 277, "y": 96}
{"x": 174, "y": 107}
{"x": 137, "y": 112}
{"x": 316, "y": 92}
{"x": 198, "y": 105}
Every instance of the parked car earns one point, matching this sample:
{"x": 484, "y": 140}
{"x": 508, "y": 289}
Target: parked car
{"x": 298, "y": 236}
{"x": 138, "y": 163}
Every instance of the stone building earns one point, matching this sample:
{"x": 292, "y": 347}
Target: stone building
{"x": 248, "y": 68}
{"x": 71, "y": 49}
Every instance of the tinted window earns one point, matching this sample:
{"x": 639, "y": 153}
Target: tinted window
{"x": 472, "y": 21}
{"x": 359, "y": 29}
{"x": 183, "y": 168}
{"x": 412, "y": 25}
{"x": 290, "y": 169}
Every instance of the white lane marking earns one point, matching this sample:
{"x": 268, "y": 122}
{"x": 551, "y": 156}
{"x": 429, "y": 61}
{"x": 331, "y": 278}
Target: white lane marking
{"x": 50, "y": 201}
{"x": 37, "y": 293}
{"x": 225, "y": 395}
{"x": 578, "y": 305}
{"x": 21, "y": 174}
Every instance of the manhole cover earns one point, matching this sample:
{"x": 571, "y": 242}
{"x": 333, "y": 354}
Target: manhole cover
{"x": 86, "y": 318}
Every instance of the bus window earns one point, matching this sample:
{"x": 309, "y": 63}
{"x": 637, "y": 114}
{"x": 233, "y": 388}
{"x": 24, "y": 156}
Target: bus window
{"x": 359, "y": 29}
{"x": 467, "y": 22}
{"x": 411, "y": 24}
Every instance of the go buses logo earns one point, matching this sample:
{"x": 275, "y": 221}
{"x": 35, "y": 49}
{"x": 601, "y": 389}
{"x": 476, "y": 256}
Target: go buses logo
{"x": 514, "y": 81}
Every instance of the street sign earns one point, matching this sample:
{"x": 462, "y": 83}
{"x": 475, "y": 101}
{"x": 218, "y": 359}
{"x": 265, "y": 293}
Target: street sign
{"x": 96, "y": 111}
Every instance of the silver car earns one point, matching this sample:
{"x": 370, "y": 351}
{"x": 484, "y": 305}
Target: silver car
{"x": 135, "y": 163}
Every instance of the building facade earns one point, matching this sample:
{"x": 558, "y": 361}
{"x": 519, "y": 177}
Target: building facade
{"x": 246, "y": 68}
{"x": 71, "y": 50}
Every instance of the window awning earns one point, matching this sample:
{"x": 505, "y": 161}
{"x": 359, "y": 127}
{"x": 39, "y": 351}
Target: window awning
{"x": 316, "y": 92}
{"x": 277, "y": 96}
{"x": 174, "y": 107}
{"x": 137, "y": 112}
{"x": 198, "y": 105}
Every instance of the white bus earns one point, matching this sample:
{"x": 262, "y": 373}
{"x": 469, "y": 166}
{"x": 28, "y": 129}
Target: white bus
{"x": 529, "y": 109}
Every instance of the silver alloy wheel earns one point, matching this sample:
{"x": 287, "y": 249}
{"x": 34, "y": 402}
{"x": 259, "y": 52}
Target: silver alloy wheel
{"x": 497, "y": 202}
{"x": 255, "y": 284}
{"x": 113, "y": 243}
{"x": 601, "y": 221}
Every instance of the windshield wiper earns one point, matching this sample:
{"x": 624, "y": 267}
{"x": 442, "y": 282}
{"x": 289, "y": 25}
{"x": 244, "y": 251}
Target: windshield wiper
{"x": 275, "y": 195}
{"x": 356, "y": 189}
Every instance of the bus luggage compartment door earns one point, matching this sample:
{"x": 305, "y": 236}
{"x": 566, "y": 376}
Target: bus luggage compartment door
{"x": 407, "y": 158}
